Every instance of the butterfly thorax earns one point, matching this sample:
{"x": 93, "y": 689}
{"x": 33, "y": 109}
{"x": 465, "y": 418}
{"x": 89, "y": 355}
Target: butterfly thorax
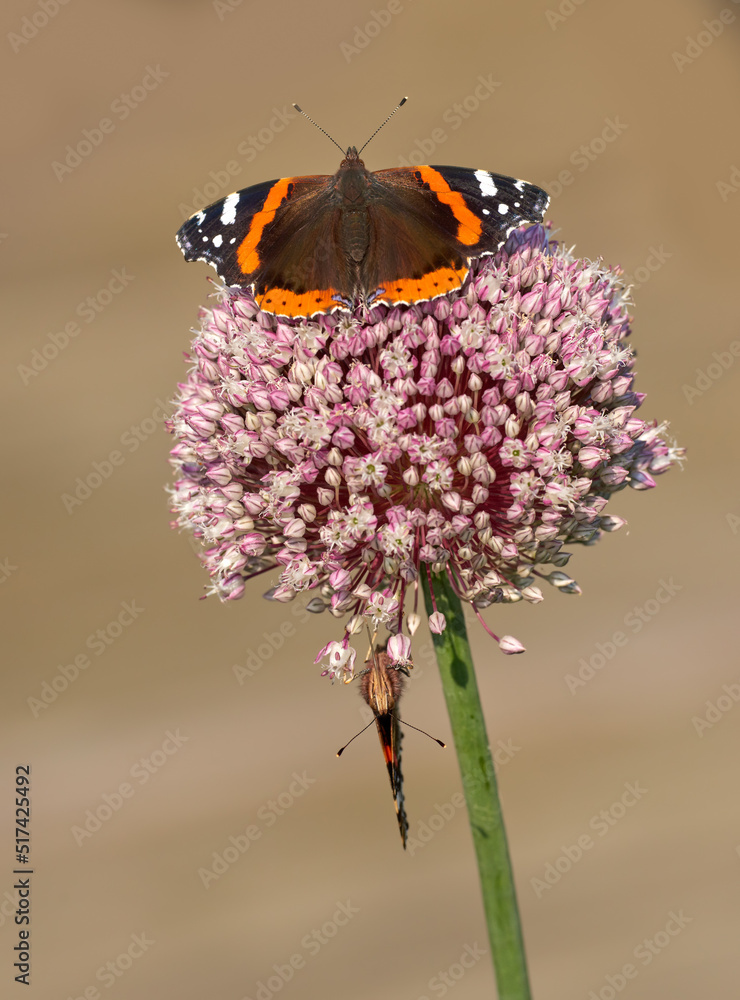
{"x": 381, "y": 685}
{"x": 351, "y": 187}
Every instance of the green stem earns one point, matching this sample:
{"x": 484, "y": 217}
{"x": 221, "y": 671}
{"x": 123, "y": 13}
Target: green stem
{"x": 481, "y": 792}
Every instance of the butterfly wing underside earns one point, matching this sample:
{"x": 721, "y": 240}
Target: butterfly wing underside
{"x": 390, "y": 736}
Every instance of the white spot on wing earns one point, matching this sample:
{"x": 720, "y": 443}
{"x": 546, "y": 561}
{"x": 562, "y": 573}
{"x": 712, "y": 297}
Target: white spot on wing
{"x": 502, "y": 209}
{"x": 229, "y": 213}
{"x": 199, "y": 217}
{"x": 519, "y": 185}
{"x": 485, "y": 211}
{"x": 487, "y": 188}
{"x": 218, "y": 240}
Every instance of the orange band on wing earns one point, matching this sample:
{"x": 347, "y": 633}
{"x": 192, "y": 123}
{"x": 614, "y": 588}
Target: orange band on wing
{"x": 247, "y": 255}
{"x": 444, "y": 279}
{"x": 469, "y": 229}
{"x": 285, "y": 303}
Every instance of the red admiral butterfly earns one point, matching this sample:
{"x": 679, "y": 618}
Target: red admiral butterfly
{"x": 381, "y": 685}
{"x": 311, "y": 244}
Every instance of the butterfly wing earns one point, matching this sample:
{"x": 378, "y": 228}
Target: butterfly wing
{"x": 390, "y": 740}
{"x": 495, "y": 205}
{"x": 295, "y": 240}
{"x": 450, "y": 216}
{"x": 278, "y": 237}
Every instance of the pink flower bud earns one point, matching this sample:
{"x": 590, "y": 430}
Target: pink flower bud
{"x": 437, "y": 623}
{"x": 399, "y": 648}
{"x": 509, "y": 645}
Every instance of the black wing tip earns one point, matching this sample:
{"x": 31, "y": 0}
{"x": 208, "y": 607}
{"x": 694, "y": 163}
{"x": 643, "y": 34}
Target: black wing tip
{"x": 403, "y": 822}
{"x": 185, "y": 237}
{"x": 183, "y": 242}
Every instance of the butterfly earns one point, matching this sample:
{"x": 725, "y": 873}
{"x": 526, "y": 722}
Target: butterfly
{"x": 381, "y": 685}
{"x": 316, "y": 243}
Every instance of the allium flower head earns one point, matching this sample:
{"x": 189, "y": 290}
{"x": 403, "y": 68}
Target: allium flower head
{"x": 474, "y": 434}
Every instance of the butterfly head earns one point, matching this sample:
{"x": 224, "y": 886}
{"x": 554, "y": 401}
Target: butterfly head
{"x": 352, "y": 158}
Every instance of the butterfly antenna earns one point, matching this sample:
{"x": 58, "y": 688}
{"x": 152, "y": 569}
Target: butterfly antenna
{"x": 423, "y": 731}
{"x": 302, "y": 112}
{"x": 399, "y": 105}
{"x": 340, "y": 752}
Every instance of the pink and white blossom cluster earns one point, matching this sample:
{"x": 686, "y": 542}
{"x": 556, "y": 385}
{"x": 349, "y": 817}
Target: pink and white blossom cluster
{"x": 475, "y": 434}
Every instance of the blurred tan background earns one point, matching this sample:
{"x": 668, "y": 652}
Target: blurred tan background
{"x": 627, "y": 113}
